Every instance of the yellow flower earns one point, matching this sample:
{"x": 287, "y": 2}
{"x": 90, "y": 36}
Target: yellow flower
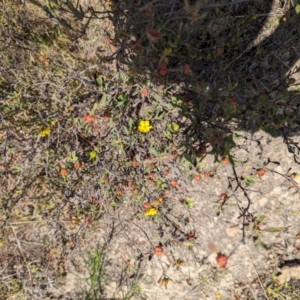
{"x": 297, "y": 178}
{"x": 152, "y": 211}
{"x": 93, "y": 154}
{"x": 175, "y": 127}
{"x": 45, "y": 132}
{"x": 167, "y": 51}
{"x": 144, "y": 126}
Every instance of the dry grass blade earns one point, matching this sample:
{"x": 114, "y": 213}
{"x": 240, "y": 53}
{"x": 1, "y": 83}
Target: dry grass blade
{"x": 22, "y": 253}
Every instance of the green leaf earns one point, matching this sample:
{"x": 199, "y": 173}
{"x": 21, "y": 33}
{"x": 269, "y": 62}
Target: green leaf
{"x": 168, "y": 135}
{"x": 297, "y": 8}
{"x": 53, "y": 5}
{"x": 189, "y": 244}
{"x": 153, "y": 151}
{"x": 95, "y": 106}
{"x": 272, "y": 229}
{"x": 74, "y": 156}
{"x": 265, "y": 246}
{"x": 63, "y": 39}
{"x": 100, "y": 81}
{"x": 249, "y": 179}
{"x": 260, "y": 218}
{"x": 124, "y": 77}
{"x": 103, "y": 100}
{"x": 125, "y": 130}
{"x": 231, "y": 159}
{"x": 130, "y": 123}
{"x": 188, "y": 159}
{"x": 188, "y": 203}
{"x": 229, "y": 142}
{"x": 137, "y": 157}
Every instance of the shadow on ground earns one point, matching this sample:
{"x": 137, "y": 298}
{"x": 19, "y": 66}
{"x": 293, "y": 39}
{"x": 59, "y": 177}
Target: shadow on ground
{"x": 232, "y": 63}
{"x": 228, "y": 66}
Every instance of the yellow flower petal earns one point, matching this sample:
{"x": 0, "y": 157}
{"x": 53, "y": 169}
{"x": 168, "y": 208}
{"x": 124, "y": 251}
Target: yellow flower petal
{"x": 175, "y": 127}
{"x": 167, "y": 51}
{"x": 93, "y": 154}
{"x": 45, "y": 132}
{"x": 144, "y": 126}
{"x": 151, "y": 212}
{"x": 297, "y": 178}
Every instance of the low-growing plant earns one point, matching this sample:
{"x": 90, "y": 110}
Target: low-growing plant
{"x": 98, "y": 104}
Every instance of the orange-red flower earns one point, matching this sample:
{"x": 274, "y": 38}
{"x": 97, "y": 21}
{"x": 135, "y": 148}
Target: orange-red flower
{"x": 89, "y": 119}
{"x": 152, "y": 34}
{"x": 63, "y": 172}
{"x": 187, "y": 70}
{"x": 162, "y": 69}
{"x": 222, "y": 260}
{"x": 158, "y": 250}
{"x": 144, "y": 92}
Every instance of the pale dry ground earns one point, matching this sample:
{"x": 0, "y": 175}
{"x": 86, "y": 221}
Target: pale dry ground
{"x": 199, "y": 276}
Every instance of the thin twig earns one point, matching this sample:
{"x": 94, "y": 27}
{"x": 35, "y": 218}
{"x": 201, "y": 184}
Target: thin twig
{"x": 253, "y": 294}
{"x": 260, "y": 282}
{"x": 21, "y": 251}
{"x": 147, "y": 5}
{"x": 284, "y": 176}
{"x": 262, "y": 15}
{"x": 223, "y": 4}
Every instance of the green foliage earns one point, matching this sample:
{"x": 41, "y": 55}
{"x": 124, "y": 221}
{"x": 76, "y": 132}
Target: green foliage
{"x": 98, "y": 277}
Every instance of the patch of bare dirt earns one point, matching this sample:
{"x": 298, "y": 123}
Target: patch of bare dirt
{"x": 174, "y": 256}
